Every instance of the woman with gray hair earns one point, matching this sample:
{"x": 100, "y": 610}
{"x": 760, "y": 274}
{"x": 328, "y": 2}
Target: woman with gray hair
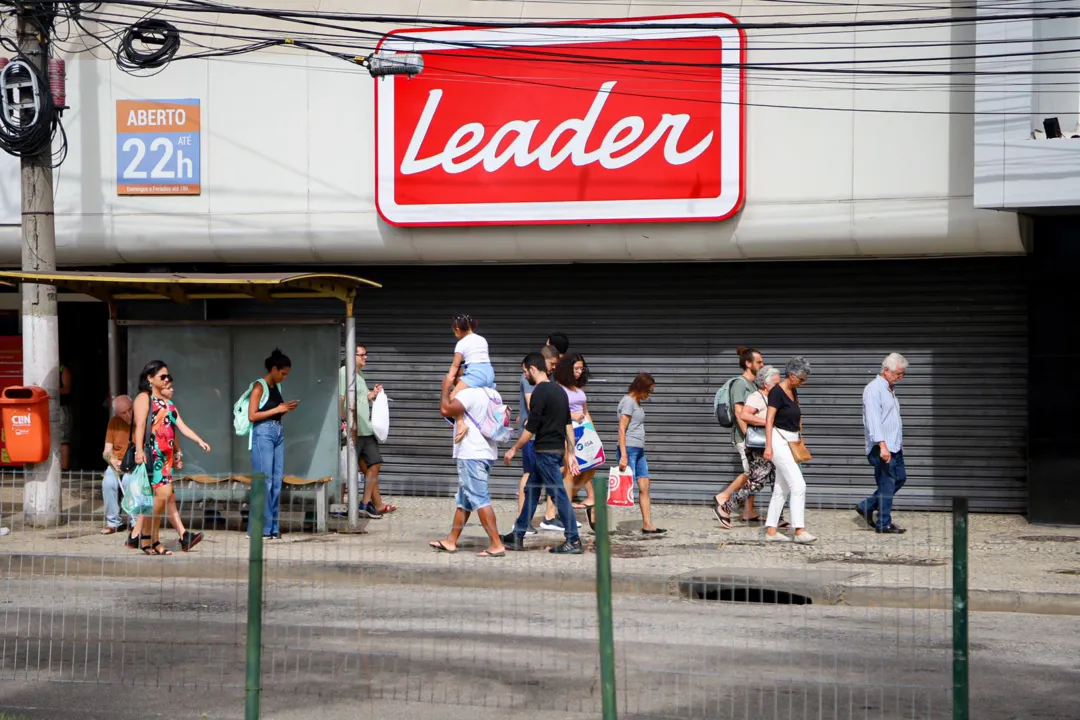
{"x": 762, "y": 472}
{"x": 783, "y": 427}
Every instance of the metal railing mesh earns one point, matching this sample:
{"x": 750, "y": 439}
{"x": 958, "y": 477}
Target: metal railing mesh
{"x": 708, "y": 623}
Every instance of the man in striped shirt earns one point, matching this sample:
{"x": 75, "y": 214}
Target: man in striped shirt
{"x": 884, "y": 443}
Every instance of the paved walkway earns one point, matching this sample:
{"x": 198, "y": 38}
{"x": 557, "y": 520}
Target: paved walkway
{"x": 1013, "y": 565}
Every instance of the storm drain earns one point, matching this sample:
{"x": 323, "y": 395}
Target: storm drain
{"x": 1051, "y": 538}
{"x": 745, "y": 594}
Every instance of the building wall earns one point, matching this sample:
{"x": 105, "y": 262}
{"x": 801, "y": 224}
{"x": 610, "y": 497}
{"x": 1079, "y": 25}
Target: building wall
{"x": 1014, "y": 170}
{"x": 288, "y": 160}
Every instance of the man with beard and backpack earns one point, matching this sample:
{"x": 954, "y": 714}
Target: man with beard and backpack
{"x": 729, "y": 406}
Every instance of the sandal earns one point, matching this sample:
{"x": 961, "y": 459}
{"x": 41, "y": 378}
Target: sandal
{"x": 158, "y": 549}
{"x": 132, "y": 542}
{"x": 189, "y": 540}
{"x": 109, "y": 530}
{"x": 437, "y": 546}
{"x": 590, "y": 515}
{"x": 725, "y": 520}
{"x": 756, "y": 520}
{"x": 387, "y": 509}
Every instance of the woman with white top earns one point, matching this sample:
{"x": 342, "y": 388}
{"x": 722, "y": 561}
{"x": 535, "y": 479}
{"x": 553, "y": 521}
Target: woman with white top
{"x": 572, "y": 373}
{"x": 762, "y": 472}
{"x": 783, "y": 425}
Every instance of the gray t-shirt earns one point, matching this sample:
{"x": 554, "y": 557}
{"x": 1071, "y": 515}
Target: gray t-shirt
{"x": 635, "y": 431}
{"x": 740, "y": 390}
{"x": 526, "y": 389}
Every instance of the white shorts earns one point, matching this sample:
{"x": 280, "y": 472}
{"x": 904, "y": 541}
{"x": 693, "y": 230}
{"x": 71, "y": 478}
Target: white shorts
{"x": 741, "y": 447}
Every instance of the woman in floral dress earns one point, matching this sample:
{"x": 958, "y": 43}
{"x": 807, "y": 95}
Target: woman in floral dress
{"x": 151, "y": 404}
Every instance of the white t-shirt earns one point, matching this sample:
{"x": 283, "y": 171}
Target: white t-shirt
{"x": 474, "y": 446}
{"x": 473, "y": 348}
{"x": 757, "y": 401}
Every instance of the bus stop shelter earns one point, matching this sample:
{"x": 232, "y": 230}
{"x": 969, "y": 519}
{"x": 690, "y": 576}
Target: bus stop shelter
{"x": 114, "y": 288}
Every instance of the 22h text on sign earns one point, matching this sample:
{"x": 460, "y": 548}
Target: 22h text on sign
{"x": 638, "y": 120}
{"x": 158, "y": 147}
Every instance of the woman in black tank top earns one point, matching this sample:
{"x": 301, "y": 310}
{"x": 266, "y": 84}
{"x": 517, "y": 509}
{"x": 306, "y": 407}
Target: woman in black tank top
{"x": 265, "y": 410}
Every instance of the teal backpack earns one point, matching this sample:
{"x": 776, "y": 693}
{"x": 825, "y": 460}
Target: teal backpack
{"x": 240, "y": 421}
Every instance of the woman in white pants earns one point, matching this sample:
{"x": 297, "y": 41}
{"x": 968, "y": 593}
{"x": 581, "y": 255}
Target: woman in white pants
{"x": 783, "y": 425}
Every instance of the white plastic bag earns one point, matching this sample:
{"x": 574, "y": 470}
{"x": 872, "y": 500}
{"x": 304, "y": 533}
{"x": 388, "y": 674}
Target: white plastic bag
{"x": 380, "y": 417}
{"x": 588, "y": 450}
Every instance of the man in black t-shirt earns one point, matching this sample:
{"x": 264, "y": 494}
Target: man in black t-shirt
{"x": 553, "y": 439}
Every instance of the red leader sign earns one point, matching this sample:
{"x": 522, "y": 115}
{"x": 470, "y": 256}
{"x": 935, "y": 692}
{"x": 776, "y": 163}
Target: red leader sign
{"x": 602, "y": 121}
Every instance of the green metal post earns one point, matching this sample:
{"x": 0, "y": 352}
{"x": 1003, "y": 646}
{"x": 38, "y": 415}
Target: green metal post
{"x": 603, "y": 600}
{"x": 256, "y": 522}
{"x": 960, "y": 609}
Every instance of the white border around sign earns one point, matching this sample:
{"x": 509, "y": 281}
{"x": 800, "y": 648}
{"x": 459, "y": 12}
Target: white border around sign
{"x": 731, "y": 136}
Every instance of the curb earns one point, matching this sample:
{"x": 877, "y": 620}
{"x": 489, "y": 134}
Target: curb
{"x": 691, "y": 586}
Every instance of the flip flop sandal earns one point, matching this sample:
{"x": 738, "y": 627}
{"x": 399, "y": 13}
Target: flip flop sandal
{"x": 487, "y": 554}
{"x": 388, "y": 509}
{"x": 437, "y": 546}
{"x": 725, "y": 522}
{"x": 657, "y": 531}
{"x": 756, "y": 520}
{"x": 109, "y": 530}
{"x": 590, "y": 515}
{"x": 783, "y": 524}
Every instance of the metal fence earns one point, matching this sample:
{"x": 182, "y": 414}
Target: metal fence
{"x": 705, "y": 622}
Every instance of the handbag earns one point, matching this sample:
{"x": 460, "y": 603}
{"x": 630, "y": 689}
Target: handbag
{"x": 798, "y": 448}
{"x": 128, "y": 463}
{"x": 755, "y": 434}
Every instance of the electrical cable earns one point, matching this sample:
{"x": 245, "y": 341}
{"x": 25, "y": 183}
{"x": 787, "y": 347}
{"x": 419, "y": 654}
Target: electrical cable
{"x": 148, "y": 45}
{"x": 30, "y": 132}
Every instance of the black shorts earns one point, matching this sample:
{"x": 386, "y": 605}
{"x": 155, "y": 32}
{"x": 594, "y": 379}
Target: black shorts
{"x": 367, "y": 450}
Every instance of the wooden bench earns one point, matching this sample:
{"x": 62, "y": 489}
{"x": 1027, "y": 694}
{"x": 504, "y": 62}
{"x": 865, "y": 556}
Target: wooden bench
{"x": 195, "y": 487}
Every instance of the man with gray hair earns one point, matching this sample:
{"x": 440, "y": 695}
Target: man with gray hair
{"x": 884, "y": 433}
{"x": 115, "y": 481}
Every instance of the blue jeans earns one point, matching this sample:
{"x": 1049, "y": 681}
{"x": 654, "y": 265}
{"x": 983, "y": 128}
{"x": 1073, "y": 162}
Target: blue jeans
{"x": 111, "y": 488}
{"x": 268, "y": 458}
{"x": 637, "y": 462}
{"x": 890, "y": 477}
{"x": 547, "y": 475}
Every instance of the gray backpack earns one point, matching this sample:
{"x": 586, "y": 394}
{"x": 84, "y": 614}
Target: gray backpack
{"x": 722, "y": 407}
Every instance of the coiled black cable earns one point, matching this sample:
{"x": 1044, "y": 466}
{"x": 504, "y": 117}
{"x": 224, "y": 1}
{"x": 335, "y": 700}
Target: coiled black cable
{"x": 148, "y": 45}
{"x": 26, "y": 132}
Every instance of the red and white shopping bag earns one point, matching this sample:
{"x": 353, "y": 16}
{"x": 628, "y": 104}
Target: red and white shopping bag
{"x": 620, "y": 488}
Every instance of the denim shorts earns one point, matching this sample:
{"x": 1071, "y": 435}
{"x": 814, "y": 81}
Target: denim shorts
{"x": 473, "y": 493}
{"x": 528, "y": 457}
{"x": 637, "y": 462}
{"x": 478, "y": 375}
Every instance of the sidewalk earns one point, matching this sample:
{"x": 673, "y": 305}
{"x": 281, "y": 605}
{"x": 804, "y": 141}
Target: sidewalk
{"x": 1014, "y": 566}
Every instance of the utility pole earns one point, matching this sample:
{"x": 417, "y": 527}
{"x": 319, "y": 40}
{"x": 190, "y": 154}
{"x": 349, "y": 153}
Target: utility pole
{"x": 40, "y": 326}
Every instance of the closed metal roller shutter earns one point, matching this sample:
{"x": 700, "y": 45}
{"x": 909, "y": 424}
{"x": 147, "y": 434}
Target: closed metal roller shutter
{"x": 962, "y": 324}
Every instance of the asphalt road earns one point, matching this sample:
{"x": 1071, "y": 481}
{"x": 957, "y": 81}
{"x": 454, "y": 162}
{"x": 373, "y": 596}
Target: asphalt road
{"x": 100, "y": 648}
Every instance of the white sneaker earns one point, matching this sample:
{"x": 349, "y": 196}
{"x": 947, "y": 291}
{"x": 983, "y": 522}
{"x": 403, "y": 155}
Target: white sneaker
{"x": 530, "y": 531}
{"x": 805, "y": 538}
{"x": 779, "y": 537}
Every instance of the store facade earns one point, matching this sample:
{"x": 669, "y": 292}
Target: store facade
{"x": 660, "y": 218}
